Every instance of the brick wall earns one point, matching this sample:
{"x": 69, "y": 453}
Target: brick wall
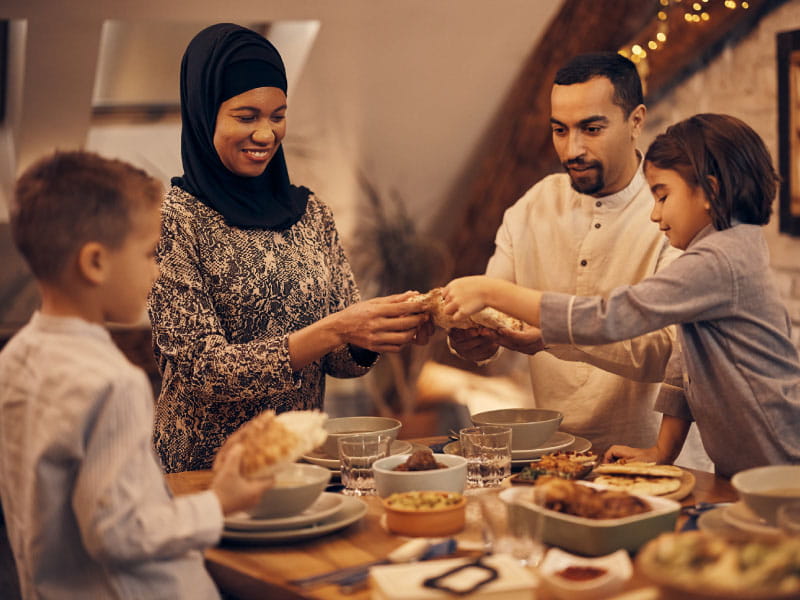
{"x": 742, "y": 81}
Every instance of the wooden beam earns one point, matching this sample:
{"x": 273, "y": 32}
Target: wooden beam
{"x": 519, "y": 152}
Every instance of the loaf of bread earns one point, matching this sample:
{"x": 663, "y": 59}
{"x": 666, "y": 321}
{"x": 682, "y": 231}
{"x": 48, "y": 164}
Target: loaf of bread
{"x": 433, "y": 304}
{"x": 272, "y": 440}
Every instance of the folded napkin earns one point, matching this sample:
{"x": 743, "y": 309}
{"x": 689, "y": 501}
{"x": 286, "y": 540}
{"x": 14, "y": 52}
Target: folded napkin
{"x": 406, "y": 581}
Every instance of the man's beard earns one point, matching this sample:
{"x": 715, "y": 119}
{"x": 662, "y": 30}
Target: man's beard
{"x": 588, "y": 182}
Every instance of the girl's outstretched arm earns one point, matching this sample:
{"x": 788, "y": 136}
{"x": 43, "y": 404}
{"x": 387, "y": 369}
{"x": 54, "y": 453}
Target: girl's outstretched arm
{"x": 467, "y": 295}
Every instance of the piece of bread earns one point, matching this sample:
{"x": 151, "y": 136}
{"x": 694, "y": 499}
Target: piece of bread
{"x": 637, "y": 484}
{"x": 271, "y": 440}
{"x": 433, "y": 304}
{"x": 650, "y": 469}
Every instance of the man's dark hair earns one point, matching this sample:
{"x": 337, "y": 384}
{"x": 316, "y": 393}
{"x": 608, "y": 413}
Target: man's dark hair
{"x": 614, "y": 67}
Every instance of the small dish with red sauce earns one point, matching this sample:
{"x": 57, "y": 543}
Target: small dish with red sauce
{"x": 573, "y": 577}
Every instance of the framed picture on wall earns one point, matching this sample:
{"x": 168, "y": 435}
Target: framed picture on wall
{"x": 788, "y": 59}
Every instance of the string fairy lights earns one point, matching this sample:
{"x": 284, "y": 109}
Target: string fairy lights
{"x": 673, "y": 13}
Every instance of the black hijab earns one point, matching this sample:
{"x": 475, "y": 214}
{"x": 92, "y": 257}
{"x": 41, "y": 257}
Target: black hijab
{"x": 268, "y": 201}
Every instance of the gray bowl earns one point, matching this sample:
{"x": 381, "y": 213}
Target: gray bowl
{"x": 296, "y": 488}
{"x": 349, "y": 426}
{"x": 530, "y": 427}
{"x": 764, "y": 489}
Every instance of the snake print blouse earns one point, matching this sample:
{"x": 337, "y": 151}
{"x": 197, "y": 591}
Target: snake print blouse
{"x": 222, "y": 308}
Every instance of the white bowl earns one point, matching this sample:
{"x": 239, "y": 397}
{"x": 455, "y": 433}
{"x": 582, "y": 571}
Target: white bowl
{"x": 452, "y": 478}
{"x": 296, "y": 488}
{"x": 764, "y": 489}
{"x": 347, "y": 426}
{"x": 617, "y": 566}
{"x": 530, "y": 427}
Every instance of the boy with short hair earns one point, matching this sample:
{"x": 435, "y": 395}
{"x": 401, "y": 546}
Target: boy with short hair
{"x": 85, "y": 502}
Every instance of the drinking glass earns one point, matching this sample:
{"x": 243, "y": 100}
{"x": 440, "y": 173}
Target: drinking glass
{"x": 488, "y": 452}
{"x": 510, "y": 531}
{"x": 356, "y": 456}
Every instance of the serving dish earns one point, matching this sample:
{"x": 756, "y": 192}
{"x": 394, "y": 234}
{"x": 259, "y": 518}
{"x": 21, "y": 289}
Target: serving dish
{"x": 593, "y": 537}
{"x": 617, "y": 566}
{"x": 698, "y": 565}
{"x": 424, "y": 521}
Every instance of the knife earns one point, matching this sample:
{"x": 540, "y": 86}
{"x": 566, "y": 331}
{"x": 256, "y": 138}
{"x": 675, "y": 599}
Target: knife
{"x": 417, "y": 549}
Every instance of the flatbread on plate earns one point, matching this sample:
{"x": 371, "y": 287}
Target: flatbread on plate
{"x": 650, "y": 469}
{"x": 637, "y": 484}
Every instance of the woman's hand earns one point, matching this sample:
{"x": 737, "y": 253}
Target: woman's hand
{"x": 383, "y": 324}
{"x": 465, "y": 296}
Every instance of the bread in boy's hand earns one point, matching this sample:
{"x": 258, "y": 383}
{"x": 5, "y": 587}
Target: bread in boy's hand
{"x": 272, "y": 440}
{"x": 433, "y": 304}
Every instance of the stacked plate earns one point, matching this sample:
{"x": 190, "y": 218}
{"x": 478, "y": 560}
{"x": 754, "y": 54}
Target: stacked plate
{"x": 325, "y": 460}
{"x": 736, "y": 518}
{"x": 329, "y": 513}
{"x": 559, "y": 441}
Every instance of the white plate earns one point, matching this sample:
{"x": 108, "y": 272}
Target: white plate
{"x": 323, "y": 460}
{"x": 713, "y": 521}
{"x": 558, "y": 441}
{"x": 352, "y": 509}
{"x": 741, "y": 517}
{"x": 325, "y": 506}
{"x": 578, "y": 445}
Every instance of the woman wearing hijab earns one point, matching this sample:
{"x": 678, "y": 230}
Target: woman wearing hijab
{"x": 256, "y": 302}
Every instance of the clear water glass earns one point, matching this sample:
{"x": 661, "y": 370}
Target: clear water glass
{"x": 356, "y": 457}
{"x": 508, "y": 530}
{"x": 488, "y": 452}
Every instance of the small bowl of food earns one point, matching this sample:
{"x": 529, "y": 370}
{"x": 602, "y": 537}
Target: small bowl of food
{"x": 297, "y": 486}
{"x": 419, "y": 471}
{"x": 425, "y": 513}
{"x": 572, "y": 577}
{"x": 352, "y": 426}
{"x": 530, "y": 427}
{"x": 764, "y": 489}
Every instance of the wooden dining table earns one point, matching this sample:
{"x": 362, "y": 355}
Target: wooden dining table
{"x": 264, "y": 571}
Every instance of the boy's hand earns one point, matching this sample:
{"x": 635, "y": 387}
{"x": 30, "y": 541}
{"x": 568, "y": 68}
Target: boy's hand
{"x": 463, "y": 297}
{"x": 627, "y": 452}
{"x": 235, "y": 491}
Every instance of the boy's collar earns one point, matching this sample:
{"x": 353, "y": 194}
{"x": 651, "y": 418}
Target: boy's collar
{"x": 68, "y": 325}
